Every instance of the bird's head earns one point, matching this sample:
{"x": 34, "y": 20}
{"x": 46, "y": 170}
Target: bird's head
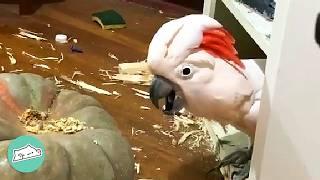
{"x": 193, "y": 58}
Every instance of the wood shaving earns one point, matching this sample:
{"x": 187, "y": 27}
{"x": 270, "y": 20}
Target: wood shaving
{"x": 157, "y": 126}
{"x": 20, "y": 36}
{"x": 136, "y": 149}
{"x": 39, "y": 123}
{"x": 134, "y": 68}
{"x": 141, "y": 92}
{"x": 171, "y": 18}
{"x": 194, "y": 132}
{"x": 112, "y": 56}
{"x": 32, "y": 36}
{"x": 141, "y": 95}
{"x": 167, "y": 133}
{"x": 116, "y": 93}
{"x": 30, "y": 32}
{"x": 109, "y": 83}
{"x": 134, "y": 73}
{"x": 7, "y": 50}
{"x": 57, "y": 82}
{"x": 75, "y": 73}
{"x": 61, "y": 58}
{"x": 185, "y": 120}
{"x": 51, "y": 46}
{"x": 137, "y": 167}
{"x": 106, "y": 73}
{"x": 12, "y": 59}
{"x": 15, "y": 71}
{"x": 86, "y": 86}
{"x": 95, "y": 142}
{"x": 144, "y": 108}
{"x": 69, "y": 39}
{"x": 138, "y": 132}
{"x": 174, "y": 142}
{"x": 41, "y": 66}
{"x": 2, "y": 68}
{"x": 135, "y": 132}
{"x": 38, "y": 58}
{"x": 186, "y": 135}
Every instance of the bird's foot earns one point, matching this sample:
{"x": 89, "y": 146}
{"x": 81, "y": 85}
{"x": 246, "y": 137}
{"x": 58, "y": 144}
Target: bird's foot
{"x": 240, "y": 161}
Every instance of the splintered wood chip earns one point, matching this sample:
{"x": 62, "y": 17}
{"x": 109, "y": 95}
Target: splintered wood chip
{"x": 134, "y": 68}
{"x": 136, "y": 149}
{"x": 75, "y": 73}
{"x": 116, "y": 93}
{"x": 109, "y": 84}
{"x": 143, "y": 96}
{"x": 41, "y": 66}
{"x": 86, "y": 86}
{"x": 16, "y": 71}
{"x": 141, "y": 92}
{"x": 157, "y": 126}
{"x": 144, "y": 108}
{"x": 137, "y": 167}
{"x": 112, "y": 56}
{"x": 186, "y": 135}
{"x": 39, "y": 58}
{"x": 12, "y": 59}
{"x": 39, "y": 123}
{"x": 24, "y": 33}
{"x": 8, "y": 51}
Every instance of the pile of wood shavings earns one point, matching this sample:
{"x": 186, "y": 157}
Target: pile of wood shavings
{"x": 193, "y": 131}
{"x": 38, "y": 123}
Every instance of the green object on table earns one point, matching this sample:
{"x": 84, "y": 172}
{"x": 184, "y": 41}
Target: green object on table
{"x": 109, "y": 19}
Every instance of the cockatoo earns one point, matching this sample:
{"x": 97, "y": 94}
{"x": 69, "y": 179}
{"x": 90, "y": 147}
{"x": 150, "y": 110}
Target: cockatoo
{"x": 196, "y": 66}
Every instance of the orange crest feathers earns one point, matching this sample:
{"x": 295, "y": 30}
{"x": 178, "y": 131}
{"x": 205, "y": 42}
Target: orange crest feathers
{"x": 219, "y": 42}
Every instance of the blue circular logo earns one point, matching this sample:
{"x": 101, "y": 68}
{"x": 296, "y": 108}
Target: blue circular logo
{"x": 26, "y": 154}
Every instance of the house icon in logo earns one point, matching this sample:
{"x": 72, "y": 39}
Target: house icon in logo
{"x": 26, "y": 153}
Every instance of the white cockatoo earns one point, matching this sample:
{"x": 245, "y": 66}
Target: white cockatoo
{"x": 197, "y": 67}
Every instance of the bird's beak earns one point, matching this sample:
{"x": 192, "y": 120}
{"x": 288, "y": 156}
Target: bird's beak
{"x": 162, "y": 88}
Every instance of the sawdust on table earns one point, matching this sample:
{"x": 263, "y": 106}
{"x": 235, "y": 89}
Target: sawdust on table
{"x": 192, "y": 132}
{"x": 39, "y": 123}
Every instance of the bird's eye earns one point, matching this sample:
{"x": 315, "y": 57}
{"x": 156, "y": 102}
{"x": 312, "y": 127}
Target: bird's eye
{"x": 186, "y": 71}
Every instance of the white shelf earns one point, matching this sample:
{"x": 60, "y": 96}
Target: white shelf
{"x": 255, "y": 24}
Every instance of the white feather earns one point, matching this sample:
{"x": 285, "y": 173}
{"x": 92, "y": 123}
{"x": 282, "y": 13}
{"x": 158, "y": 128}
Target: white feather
{"x": 176, "y": 38}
